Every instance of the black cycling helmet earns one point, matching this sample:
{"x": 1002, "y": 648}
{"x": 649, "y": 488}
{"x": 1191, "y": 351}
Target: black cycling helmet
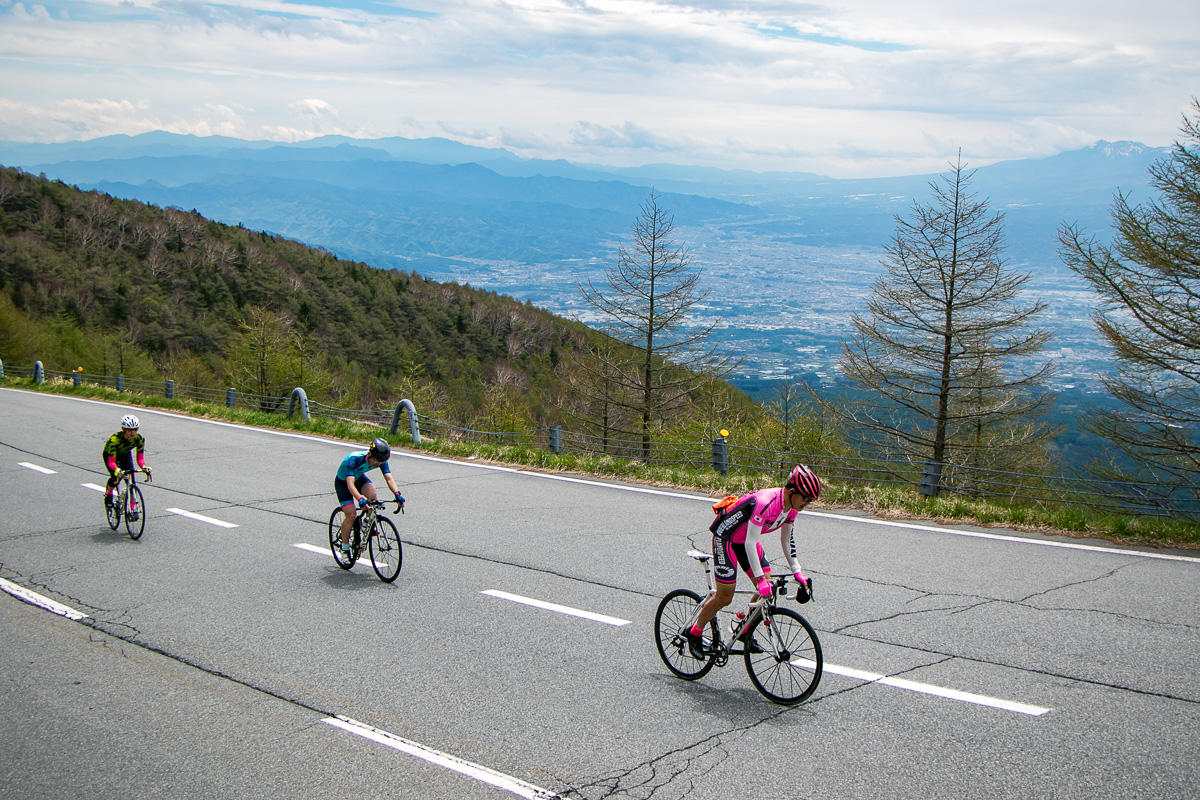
{"x": 380, "y": 450}
{"x": 804, "y": 481}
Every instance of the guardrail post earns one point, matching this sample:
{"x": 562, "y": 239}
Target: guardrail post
{"x": 230, "y": 398}
{"x": 77, "y": 377}
{"x": 931, "y": 478}
{"x": 555, "y": 436}
{"x": 120, "y": 383}
{"x": 720, "y": 455}
{"x": 1, "y": 370}
{"x": 298, "y": 394}
{"x": 413, "y": 428}
{"x": 39, "y": 374}
{"x": 169, "y": 391}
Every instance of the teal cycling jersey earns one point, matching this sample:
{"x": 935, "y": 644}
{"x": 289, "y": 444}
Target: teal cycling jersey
{"x": 356, "y": 464}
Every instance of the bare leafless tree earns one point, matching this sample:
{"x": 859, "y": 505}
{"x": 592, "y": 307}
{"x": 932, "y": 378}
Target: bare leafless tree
{"x": 935, "y": 359}
{"x": 1149, "y": 282}
{"x": 647, "y": 305}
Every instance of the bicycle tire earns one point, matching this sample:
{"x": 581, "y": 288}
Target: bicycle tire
{"x": 675, "y": 611}
{"x": 134, "y": 511}
{"x": 343, "y": 559}
{"x": 387, "y": 552}
{"x": 113, "y": 511}
{"x": 790, "y": 666}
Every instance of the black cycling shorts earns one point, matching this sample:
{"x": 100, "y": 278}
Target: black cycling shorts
{"x": 343, "y": 491}
{"x": 727, "y": 554}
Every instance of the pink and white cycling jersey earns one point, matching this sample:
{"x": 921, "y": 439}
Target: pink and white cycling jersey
{"x": 737, "y": 534}
{"x": 768, "y": 513}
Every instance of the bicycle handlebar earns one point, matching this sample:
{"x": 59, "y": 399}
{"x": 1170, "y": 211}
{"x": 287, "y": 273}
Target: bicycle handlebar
{"x": 122, "y": 473}
{"x": 382, "y": 504}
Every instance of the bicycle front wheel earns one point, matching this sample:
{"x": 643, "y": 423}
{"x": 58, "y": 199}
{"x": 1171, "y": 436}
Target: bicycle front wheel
{"x": 135, "y": 513}
{"x": 344, "y": 560}
{"x": 671, "y": 623}
{"x": 387, "y": 554}
{"x": 789, "y": 668}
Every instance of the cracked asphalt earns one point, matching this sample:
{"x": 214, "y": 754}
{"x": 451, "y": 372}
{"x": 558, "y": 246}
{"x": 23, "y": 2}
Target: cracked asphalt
{"x": 211, "y": 657}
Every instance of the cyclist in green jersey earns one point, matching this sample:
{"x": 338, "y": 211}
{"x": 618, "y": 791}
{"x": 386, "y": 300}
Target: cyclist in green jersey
{"x": 118, "y": 454}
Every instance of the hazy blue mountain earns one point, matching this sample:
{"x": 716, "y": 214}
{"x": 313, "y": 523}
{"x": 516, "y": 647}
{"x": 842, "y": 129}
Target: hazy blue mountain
{"x": 788, "y": 257}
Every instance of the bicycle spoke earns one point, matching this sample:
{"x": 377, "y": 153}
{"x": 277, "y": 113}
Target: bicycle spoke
{"x": 790, "y": 667}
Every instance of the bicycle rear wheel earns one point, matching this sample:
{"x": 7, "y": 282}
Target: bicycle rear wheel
{"x": 135, "y": 513}
{"x": 789, "y": 668}
{"x": 113, "y": 510}
{"x": 671, "y": 623}
{"x": 343, "y": 559}
{"x": 387, "y": 553}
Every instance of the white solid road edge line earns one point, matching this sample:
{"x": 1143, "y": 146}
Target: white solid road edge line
{"x": 1091, "y": 548}
{"x": 644, "y": 490}
{"x": 201, "y": 518}
{"x": 575, "y": 612}
{"x": 36, "y": 468}
{"x": 21, "y": 593}
{"x": 928, "y": 688}
{"x": 479, "y": 773}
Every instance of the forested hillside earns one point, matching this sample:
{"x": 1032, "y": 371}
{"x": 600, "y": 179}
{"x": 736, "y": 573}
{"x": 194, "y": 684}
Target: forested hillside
{"x": 120, "y": 286}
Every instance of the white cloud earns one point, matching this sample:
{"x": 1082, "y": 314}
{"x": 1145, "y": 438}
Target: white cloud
{"x": 850, "y": 89}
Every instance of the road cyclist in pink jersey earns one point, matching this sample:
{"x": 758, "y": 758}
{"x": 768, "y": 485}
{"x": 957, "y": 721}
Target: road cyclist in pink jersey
{"x": 737, "y": 543}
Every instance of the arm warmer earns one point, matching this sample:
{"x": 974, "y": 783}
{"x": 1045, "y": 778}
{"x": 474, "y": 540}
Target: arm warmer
{"x": 788, "y": 544}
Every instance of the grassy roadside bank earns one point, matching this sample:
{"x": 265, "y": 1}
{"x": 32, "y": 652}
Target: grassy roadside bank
{"x": 891, "y": 502}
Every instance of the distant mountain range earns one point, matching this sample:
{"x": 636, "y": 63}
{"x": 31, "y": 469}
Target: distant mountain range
{"x": 534, "y": 228}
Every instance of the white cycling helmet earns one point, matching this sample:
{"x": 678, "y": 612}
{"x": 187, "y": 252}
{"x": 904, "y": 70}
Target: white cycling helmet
{"x": 130, "y": 422}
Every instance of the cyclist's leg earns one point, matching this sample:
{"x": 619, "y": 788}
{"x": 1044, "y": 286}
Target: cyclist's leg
{"x": 124, "y": 462}
{"x": 366, "y": 488}
{"x": 347, "y": 500}
{"x": 110, "y": 484}
{"x": 725, "y": 572}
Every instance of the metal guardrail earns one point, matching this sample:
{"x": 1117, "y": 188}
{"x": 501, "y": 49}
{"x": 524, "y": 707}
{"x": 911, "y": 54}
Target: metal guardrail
{"x": 1125, "y": 497}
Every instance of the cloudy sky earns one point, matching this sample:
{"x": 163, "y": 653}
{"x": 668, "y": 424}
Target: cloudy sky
{"x": 846, "y": 88}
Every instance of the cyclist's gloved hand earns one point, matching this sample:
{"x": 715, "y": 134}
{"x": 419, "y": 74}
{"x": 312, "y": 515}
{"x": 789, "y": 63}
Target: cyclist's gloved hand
{"x": 764, "y": 587}
{"x": 147, "y": 470}
{"x": 117, "y": 475}
{"x": 803, "y": 588}
{"x": 362, "y": 502}
{"x": 400, "y": 499}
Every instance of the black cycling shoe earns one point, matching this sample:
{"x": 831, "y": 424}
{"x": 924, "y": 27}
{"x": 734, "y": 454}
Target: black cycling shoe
{"x": 753, "y": 647}
{"x": 108, "y": 501}
{"x": 696, "y": 646}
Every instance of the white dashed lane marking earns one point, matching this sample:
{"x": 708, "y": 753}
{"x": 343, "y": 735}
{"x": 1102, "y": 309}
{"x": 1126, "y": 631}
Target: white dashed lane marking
{"x": 574, "y": 612}
{"x": 201, "y": 518}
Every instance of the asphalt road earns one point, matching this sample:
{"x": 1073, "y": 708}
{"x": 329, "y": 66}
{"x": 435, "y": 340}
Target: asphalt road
{"x": 242, "y": 662}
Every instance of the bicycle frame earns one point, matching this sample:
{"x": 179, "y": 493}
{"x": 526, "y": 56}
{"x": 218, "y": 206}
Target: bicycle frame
{"x": 128, "y": 477}
{"x": 781, "y": 650}
{"x": 363, "y": 521}
{"x": 753, "y": 610}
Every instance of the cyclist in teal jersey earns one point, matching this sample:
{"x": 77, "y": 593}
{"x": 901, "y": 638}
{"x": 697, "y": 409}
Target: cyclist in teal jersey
{"x": 118, "y": 454}
{"x": 353, "y": 487}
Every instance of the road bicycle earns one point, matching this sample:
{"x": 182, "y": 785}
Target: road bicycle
{"x": 127, "y": 505}
{"x": 382, "y": 541}
{"x": 783, "y": 656}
